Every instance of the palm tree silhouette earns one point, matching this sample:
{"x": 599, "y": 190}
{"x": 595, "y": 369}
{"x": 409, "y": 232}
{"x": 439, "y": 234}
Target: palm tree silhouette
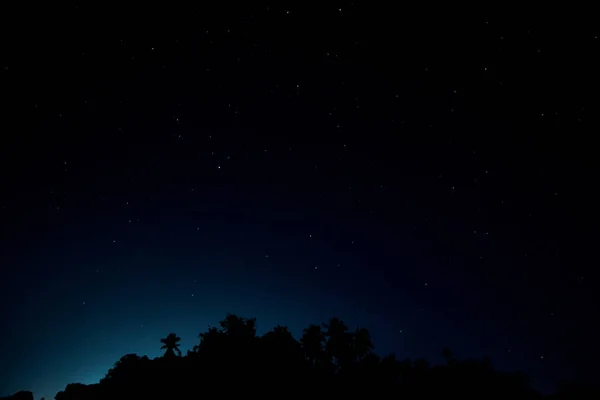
{"x": 171, "y": 344}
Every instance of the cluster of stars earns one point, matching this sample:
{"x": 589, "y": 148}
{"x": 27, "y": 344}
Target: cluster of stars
{"x": 356, "y": 152}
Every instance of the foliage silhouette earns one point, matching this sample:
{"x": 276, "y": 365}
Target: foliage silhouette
{"x": 313, "y": 342}
{"x": 328, "y": 360}
{"x": 22, "y": 395}
{"x": 171, "y": 344}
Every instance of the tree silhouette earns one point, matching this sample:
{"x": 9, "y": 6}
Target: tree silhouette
{"x": 447, "y": 354}
{"x": 312, "y": 341}
{"x": 171, "y": 344}
{"x": 238, "y": 327}
{"x": 329, "y": 359}
{"x": 22, "y": 395}
{"x": 213, "y": 338}
{"x": 281, "y": 338}
{"x": 339, "y": 345}
{"x": 362, "y": 345}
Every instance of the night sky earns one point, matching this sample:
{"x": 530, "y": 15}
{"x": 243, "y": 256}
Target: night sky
{"x": 429, "y": 175}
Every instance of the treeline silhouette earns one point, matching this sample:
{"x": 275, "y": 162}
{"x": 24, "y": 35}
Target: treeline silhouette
{"x": 328, "y": 360}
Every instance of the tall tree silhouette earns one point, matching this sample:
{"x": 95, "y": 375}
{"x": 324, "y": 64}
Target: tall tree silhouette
{"x": 280, "y": 353}
{"x": 339, "y": 343}
{"x": 312, "y": 341}
{"x": 362, "y": 344}
{"x": 171, "y": 344}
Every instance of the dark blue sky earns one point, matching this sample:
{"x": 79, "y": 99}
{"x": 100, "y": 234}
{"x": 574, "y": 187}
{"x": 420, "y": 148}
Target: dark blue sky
{"x": 417, "y": 178}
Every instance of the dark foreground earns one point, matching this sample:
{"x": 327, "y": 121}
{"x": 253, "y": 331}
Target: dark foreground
{"x": 329, "y": 360}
